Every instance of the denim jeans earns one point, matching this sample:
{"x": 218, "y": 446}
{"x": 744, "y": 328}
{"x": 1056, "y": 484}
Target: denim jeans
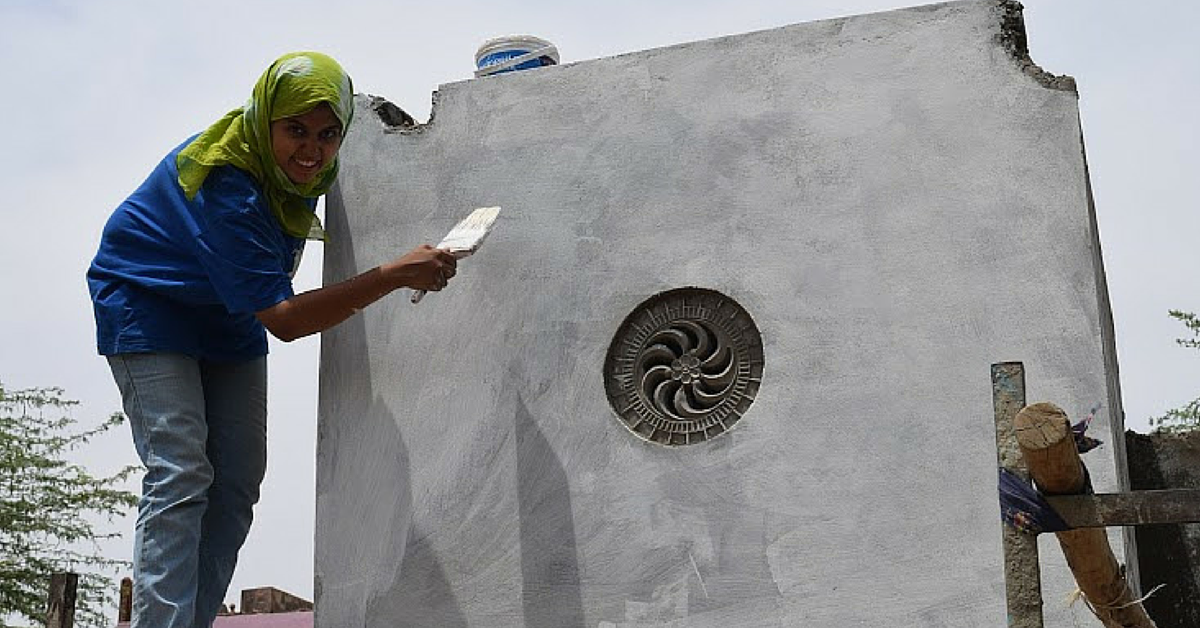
{"x": 200, "y": 429}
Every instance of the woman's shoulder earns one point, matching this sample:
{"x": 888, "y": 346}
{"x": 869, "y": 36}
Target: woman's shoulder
{"x": 229, "y": 179}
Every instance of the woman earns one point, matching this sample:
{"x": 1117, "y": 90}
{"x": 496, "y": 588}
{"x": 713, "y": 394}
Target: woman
{"x": 191, "y": 268}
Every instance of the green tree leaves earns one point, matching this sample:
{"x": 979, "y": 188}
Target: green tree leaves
{"x": 1186, "y": 417}
{"x": 48, "y": 506}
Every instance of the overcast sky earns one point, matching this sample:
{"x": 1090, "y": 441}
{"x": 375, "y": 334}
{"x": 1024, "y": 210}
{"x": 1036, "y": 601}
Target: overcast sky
{"x": 97, "y": 92}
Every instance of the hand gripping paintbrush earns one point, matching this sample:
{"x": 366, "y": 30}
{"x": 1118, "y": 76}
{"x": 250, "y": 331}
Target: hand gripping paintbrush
{"x": 465, "y": 238}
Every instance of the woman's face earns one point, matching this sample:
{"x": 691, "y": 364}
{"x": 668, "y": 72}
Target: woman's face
{"x": 306, "y": 143}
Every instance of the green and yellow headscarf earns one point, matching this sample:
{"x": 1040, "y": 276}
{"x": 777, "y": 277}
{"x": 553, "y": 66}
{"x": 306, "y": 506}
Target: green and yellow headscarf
{"x": 293, "y": 85}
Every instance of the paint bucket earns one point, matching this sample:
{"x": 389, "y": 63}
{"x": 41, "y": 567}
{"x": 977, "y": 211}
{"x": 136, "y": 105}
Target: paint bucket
{"x": 515, "y": 52}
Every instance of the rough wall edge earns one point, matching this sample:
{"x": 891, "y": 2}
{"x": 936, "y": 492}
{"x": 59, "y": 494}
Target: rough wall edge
{"x": 1108, "y": 342}
{"x": 1012, "y": 37}
{"x": 392, "y": 117}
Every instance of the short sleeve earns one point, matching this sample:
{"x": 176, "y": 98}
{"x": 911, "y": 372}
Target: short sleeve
{"x": 247, "y": 256}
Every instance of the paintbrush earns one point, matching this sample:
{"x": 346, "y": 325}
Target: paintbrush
{"x": 465, "y": 238}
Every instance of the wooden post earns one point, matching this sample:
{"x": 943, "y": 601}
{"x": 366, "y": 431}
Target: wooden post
{"x": 1022, "y": 574}
{"x": 61, "y": 612}
{"x": 1044, "y": 435}
{"x": 125, "y": 609}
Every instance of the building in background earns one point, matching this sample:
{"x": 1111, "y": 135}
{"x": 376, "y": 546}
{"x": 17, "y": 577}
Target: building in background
{"x": 262, "y": 607}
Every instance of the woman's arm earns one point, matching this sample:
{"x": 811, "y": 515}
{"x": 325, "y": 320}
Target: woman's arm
{"x": 423, "y": 268}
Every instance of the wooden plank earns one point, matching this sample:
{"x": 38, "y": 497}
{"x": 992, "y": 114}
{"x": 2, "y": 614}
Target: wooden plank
{"x": 1022, "y": 575}
{"x": 61, "y": 612}
{"x": 1128, "y": 509}
{"x": 1044, "y": 435}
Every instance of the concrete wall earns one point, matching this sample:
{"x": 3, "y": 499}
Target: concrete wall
{"x": 897, "y": 200}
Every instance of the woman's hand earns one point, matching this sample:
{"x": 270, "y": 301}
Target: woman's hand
{"x": 423, "y": 268}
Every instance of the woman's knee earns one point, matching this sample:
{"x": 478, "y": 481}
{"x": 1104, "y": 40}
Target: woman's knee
{"x": 177, "y": 481}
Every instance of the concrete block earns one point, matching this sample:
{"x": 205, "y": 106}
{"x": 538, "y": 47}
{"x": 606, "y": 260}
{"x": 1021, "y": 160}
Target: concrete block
{"x": 271, "y": 600}
{"x": 1169, "y": 554}
{"x": 896, "y": 201}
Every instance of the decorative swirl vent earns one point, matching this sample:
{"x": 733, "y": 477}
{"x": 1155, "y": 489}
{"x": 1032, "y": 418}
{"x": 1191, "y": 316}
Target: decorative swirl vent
{"x": 684, "y": 366}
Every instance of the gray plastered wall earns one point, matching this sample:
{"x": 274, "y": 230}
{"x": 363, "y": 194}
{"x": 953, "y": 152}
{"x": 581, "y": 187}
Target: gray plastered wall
{"x": 898, "y": 200}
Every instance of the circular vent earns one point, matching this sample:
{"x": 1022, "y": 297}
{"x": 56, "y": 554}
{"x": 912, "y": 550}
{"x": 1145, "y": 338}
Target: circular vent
{"x": 684, "y": 366}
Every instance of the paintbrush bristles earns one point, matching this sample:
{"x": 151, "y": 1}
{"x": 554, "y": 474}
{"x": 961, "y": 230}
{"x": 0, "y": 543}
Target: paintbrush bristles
{"x": 481, "y": 217}
{"x": 469, "y": 233}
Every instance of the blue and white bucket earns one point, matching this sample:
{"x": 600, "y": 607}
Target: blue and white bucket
{"x": 515, "y": 52}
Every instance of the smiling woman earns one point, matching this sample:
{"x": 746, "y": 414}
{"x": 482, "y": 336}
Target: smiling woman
{"x": 303, "y": 144}
{"x": 193, "y": 269}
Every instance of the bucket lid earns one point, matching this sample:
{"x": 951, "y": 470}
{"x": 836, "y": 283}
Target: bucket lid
{"x": 524, "y": 43}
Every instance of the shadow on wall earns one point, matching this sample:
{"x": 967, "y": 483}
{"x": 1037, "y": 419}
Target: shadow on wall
{"x": 368, "y": 436}
{"x": 550, "y": 594}
{"x": 419, "y": 592}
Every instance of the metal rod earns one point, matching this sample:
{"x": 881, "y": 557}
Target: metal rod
{"x": 1022, "y": 575}
{"x": 1128, "y": 509}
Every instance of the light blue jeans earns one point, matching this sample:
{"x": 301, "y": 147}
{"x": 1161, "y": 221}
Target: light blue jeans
{"x": 200, "y": 429}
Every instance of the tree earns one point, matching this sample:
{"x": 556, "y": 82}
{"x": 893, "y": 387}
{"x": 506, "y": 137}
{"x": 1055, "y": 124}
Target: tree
{"x": 48, "y": 506}
{"x": 1187, "y": 417}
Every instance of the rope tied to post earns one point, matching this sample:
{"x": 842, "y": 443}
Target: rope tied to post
{"x": 1104, "y": 611}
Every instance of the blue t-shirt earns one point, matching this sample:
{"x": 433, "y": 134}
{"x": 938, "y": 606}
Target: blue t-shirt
{"x": 180, "y": 276}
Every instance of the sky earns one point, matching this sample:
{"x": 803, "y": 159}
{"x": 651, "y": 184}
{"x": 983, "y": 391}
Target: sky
{"x": 98, "y": 92}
